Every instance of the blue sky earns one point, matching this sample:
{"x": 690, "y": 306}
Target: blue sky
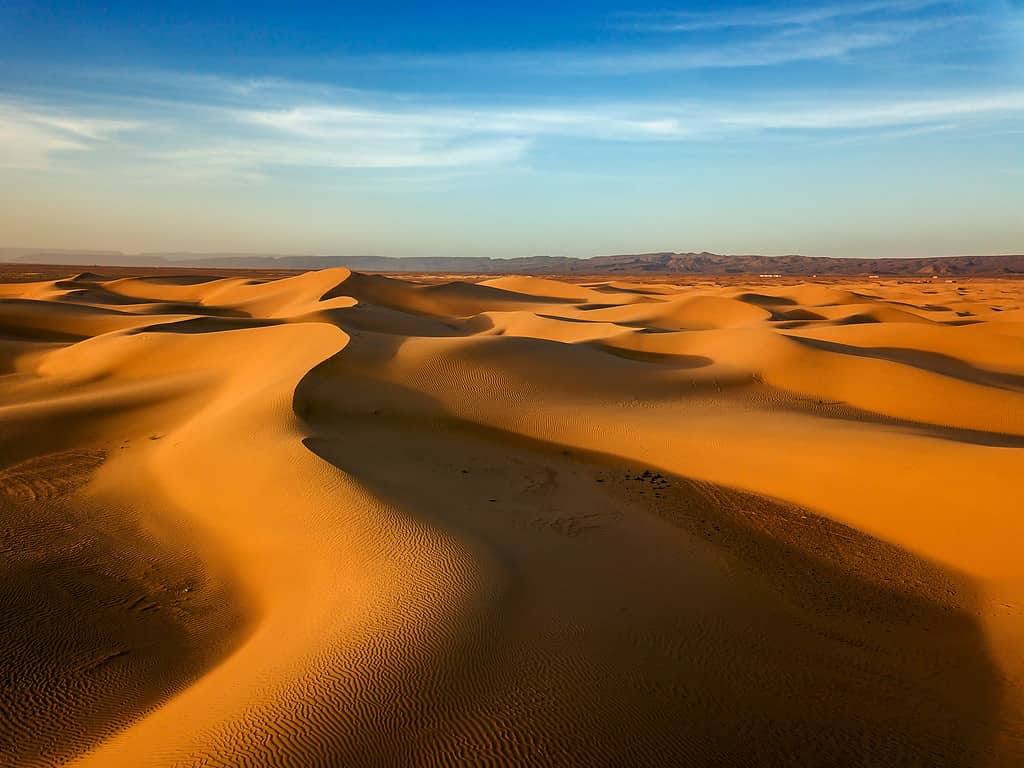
{"x": 861, "y": 128}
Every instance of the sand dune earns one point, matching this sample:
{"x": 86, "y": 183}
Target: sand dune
{"x": 343, "y": 519}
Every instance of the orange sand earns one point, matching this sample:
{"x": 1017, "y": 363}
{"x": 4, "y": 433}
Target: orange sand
{"x": 339, "y": 519}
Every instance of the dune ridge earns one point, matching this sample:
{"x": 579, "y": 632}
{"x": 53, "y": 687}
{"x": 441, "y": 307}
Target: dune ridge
{"x": 344, "y": 519}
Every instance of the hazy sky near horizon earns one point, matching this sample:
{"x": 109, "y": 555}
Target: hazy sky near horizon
{"x": 847, "y": 128}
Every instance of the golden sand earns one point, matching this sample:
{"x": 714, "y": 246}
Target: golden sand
{"x": 340, "y": 519}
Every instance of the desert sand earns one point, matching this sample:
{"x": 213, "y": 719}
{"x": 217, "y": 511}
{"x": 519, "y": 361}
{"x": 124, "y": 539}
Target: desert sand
{"x": 343, "y": 519}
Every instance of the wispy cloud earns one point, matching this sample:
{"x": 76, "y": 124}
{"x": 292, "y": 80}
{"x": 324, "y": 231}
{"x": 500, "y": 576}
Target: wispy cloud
{"x": 765, "y": 38}
{"x": 255, "y": 128}
{"x": 755, "y": 37}
{"x": 880, "y": 113}
{"x": 30, "y": 138}
{"x": 351, "y": 123}
{"x": 234, "y": 155}
{"x": 628, "y": 121}
{"x": 764, "y": 50}
{"x": 761, "y": 17}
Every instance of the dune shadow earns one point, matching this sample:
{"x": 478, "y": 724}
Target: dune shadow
{"x": 199, "y": 325}
{"x": 605, "y": 288}
{"x": 933, "y": 362}
{"x": 97, "y": 625}
{"x": 95, "y": 295}
{"x": 182, "y": 280}
{"x": 840, "y": 411}
{"x": 580, "y": 320}
{"x": 767, "y": 301}
{"x": 675, "y": 360}
{"x": 189, "y": 308}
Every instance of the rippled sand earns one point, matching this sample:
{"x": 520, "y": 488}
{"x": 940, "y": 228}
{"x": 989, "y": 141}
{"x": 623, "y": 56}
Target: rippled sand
{"x": 339, "y": 519}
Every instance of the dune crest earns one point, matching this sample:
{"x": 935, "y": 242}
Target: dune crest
{"x": 345, "y": 519}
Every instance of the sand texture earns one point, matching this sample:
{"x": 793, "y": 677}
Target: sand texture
{"x": 339, "y": 519}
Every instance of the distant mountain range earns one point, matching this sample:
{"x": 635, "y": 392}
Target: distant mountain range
{"x": 627, "y": 264}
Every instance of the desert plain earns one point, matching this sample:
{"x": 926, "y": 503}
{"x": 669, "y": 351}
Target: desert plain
{"x": 345, "y": 519}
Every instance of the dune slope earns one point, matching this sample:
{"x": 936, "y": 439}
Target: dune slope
{"x": 340, "y": 519}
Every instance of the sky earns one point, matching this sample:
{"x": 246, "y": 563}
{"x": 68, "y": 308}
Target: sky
{"x": 514, "y": 127}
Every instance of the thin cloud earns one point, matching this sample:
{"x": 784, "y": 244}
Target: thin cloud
{"x": 311, "y": 126}
{"x": 756, "y": 53}
{"x": 770, "y": 45}
{"x": 876, "y": 114}
{"x": 773, "y": 37}
{"x": 349, "y": 123}
{"x": 764, "y": 51}
{"x": 230, "y": 155}
{"x": 752, "y": 18}
{"x": 30, "y": 138}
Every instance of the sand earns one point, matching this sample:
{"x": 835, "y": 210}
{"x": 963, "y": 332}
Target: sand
{"x": 344, "y": 519}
